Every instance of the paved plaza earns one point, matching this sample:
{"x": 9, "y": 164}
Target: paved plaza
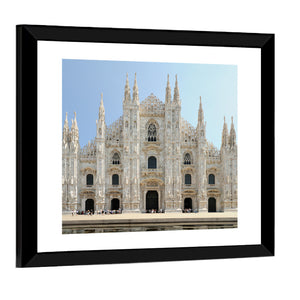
{"x": 132, "y": 219}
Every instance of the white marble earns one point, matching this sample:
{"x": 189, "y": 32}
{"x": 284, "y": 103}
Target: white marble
{"x": 148, "y": 129}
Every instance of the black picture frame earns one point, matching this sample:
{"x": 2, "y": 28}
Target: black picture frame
{"x": 27, "y": 153}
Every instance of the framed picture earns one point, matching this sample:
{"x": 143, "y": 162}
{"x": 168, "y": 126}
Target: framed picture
{"x": 139, "y": 145}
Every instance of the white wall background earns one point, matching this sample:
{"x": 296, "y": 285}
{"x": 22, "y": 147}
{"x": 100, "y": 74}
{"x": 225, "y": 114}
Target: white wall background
{"x": 255, "y": 278}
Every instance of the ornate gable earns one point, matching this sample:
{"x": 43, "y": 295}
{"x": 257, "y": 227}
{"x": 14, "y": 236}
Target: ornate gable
{"x": 152, "y": 106}
{"x": 188, "y": 132}
{"x": 114, "y": 131}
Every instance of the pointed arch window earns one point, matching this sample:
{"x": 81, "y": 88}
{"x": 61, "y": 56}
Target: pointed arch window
{"x": 187, "y": 179}
{"x": 89, "y": 179}
{"x": 152, "y": 162}
{"x": 152, "y": 133}
{"x": 116, "y": 159}
{"x": 211, "y": 179}
{"x": 187, "y": 159}
{"x": 115, "y": 179}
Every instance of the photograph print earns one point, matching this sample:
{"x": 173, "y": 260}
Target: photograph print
{"x": 148, "y": 146}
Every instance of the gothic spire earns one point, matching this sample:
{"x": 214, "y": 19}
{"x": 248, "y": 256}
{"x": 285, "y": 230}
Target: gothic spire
{"x": 200, "y": 114}
{"x": 75, "y": 121}
{"x": 101, "y": 108}
{"x": 127, "y": 97}
{"x": 66, "y": 130}
{"x": 176, "y": 91}
{"x": 232, "y": 137}
{"x": 66, "y": 125}
{"x": 225, "y": 134}
{"x": 201, "y": 127}
{"x": 168, "y": 92}
{"x": 74, "y": 129}
{"x": 135, "y": 92}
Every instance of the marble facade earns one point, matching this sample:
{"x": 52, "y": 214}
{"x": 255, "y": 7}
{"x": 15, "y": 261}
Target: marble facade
{"x": 150, "y": 158}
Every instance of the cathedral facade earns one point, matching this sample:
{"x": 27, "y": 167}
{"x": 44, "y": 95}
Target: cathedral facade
{"x": 149, "y": 159}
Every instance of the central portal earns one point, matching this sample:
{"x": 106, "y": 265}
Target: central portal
{"x": 212, "y": 207}
{"x": 115, "y": 204}
{"x": 89, "y": 205}
{"x": 188, "y": 203}
{"x": 152, "y": 200}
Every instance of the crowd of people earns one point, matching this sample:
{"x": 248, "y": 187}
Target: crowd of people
{"x": 119, "y": 211}
{"x": 154, "y": 211}
{"x": 187, "y": 210}
{"x": 97, "y": 212}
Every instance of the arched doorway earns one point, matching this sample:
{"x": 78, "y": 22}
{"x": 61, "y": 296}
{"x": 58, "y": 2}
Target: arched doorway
{"x": 115, "y": 204}
{"x": 212, "y": 206}
{"x": 89, "y": 205}
{"x": 188, "y": 203}
{"x": 152, "y": 200}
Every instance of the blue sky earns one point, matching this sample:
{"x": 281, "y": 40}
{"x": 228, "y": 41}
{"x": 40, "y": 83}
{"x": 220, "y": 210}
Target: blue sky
{"x": 85, "y": 80}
